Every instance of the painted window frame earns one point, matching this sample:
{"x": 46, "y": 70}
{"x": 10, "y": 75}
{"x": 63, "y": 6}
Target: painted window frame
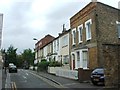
{"x": 87, "y": 65}
{"x": 65, "y": 40}
{"x": 58, "y": 44}
{"x": 80, "y": 30}
{"x": 78, "y": 55}
{"x": 73, "y": 41}
{"x": 88, "y": 31}
{"x": 118, "y": 28}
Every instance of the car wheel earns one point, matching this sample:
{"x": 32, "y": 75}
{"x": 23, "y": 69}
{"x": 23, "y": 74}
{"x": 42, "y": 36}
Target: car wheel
{"x": 94, "y": 83}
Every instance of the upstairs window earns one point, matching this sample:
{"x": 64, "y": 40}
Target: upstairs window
{"x": 88, "y": 29}
{"x": 80, "y": 36}
{"x": 65, "y": 40}
{"x": 57, "y": 44}
{"x": 74, "y": 36}
{"x": 118, "y": 28}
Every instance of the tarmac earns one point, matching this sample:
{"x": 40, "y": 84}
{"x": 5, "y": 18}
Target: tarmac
{"x": 66, "y": 82}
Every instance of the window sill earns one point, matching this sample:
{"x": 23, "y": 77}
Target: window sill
{"x": 88, "y": 40}
{"x": 64, "y": 46}
{"x": 80, "y": 42}
{"x": 73, "y": 44}
{"x": 85, "y": 68}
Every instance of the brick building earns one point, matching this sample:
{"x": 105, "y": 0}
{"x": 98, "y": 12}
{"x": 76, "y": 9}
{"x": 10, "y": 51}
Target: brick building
{"x": 40, "y": 49}
{"x": 92, "y": 27}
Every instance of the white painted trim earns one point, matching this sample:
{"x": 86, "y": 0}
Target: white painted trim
{"x": 82, "y": 57}
{"x": 88, "y": 21}
{"x": 72, "y": 36}
{"x": 117, "y": 22}
{"x": 80, "y": 26}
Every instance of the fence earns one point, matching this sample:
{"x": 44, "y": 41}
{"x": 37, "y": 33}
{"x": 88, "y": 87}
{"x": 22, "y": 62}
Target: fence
{"x": 59, "y": 71}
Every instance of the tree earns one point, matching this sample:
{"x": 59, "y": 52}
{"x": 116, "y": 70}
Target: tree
{"x": 4, "y": 55}
{"x": 28, "y": 57}
{"x": 20, "y": 61}
{"x": 11, "y": 55}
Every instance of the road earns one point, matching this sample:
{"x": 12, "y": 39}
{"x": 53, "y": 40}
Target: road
{"x": 26, "y": 79}
{"x": 30, "y": 79}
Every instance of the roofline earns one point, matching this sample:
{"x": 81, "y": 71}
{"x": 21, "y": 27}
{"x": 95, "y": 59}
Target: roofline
{"x": 80, "y": 10}
{"x": 60, "y": 35}
{"x": 43, "y": 38}
{"x": 90, "y": 4}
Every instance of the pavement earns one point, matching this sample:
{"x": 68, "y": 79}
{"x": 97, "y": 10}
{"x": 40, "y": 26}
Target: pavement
{"x": 0, "y": 78}
{"x": 3, "y": 76}
{"x": 66, "y": 82}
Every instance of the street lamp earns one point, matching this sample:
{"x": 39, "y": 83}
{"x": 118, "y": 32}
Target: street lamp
{"x": 36, "y": 59}
{"x": 35, "y": 39}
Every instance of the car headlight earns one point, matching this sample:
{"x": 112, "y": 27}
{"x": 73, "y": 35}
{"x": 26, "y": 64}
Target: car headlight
{"x": 91, "y": 76}
{"x": 102, "y": 77}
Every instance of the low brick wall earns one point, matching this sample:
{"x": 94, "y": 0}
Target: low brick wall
{"x": 84, "y": 75}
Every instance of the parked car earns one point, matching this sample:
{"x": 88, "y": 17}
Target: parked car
{"x": 31, "y": 67}
{"x": 10, "y": 64}
{"x": 97, "y": 76}
{"x": 12, "y": 68}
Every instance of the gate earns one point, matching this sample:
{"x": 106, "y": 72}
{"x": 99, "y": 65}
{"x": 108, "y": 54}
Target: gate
{"x": 111, "y": 55}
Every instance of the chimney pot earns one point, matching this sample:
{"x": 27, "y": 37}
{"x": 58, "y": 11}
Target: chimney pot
{"x": 94, "y": 0}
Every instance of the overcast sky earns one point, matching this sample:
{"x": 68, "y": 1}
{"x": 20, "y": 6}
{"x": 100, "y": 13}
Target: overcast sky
{"x": 28, "y": 19}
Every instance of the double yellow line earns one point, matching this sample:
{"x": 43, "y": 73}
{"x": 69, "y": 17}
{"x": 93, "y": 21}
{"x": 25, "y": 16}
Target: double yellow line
{"x": 13, "y": 86}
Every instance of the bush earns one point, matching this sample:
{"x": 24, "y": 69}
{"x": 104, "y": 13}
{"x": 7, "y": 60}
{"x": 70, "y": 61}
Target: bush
{"x": 54, "y": 64}
{"x": 42, "y": 66}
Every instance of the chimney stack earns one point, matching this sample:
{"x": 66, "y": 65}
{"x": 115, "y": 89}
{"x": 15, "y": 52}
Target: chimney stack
{"x": 93, "y": 0}
{"x": 64, "y": 29}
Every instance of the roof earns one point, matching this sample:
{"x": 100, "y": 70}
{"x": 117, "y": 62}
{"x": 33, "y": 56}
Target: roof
{"x": 44, "y": 41}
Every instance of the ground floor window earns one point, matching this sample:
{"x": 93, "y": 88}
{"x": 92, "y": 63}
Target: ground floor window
{"x": 85, "y": 59}
{"x": 78, "y": 59}
{"x": 66, "y": 59}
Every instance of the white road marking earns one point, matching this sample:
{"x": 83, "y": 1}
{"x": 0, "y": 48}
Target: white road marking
{"x": 27, "y": 74}
{"x": 13, "y": 86}
{"x": 24, "y": 77}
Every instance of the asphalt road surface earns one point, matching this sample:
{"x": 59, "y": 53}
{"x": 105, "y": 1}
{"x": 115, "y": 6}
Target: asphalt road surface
{"x": 26, "y": 79}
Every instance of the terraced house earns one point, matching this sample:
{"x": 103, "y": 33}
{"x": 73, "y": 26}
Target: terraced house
{"x": 64, "y": 48}
{"x": 92, "y": 27}
{"x": 43, "y": 48}
{"x": 61, "y": 48}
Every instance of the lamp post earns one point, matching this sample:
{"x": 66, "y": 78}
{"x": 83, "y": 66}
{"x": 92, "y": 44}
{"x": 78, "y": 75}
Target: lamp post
{"x": 36, "y": 52}
{"x": 35, "y": 39}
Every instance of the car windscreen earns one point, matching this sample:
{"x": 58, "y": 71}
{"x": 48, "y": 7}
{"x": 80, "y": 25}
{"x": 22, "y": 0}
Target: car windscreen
{"x": 100, "y": 70}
